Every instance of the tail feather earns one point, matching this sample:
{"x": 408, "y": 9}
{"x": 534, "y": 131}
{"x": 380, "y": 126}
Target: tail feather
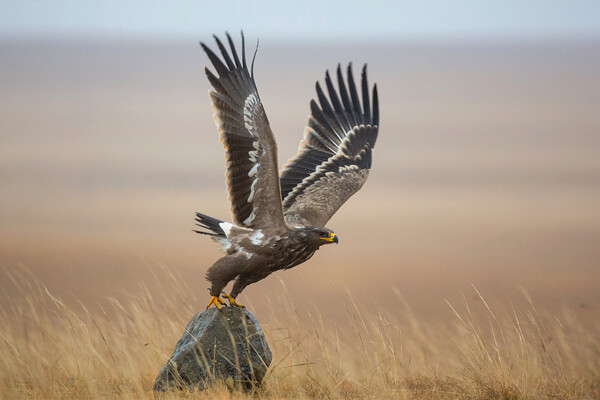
{"x": 211, "y": 224}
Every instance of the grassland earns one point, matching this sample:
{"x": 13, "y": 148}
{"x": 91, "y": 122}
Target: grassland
{"x": 486, "y": 171}
{"x": 55, "y": 348}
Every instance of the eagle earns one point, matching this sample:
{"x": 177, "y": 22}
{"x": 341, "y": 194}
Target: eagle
{"x": 279, "y": 216}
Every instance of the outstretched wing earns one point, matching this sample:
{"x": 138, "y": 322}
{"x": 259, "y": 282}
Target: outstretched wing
{"x": 334, "y": 157}
{"x": 251, "y": 151}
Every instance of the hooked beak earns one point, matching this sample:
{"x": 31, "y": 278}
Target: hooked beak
{"x": 332, "y": 238}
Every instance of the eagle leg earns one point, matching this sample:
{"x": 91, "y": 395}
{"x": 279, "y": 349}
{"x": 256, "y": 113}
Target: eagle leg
{"x": 216, "y": 301}
{"x": 232, "y": 301}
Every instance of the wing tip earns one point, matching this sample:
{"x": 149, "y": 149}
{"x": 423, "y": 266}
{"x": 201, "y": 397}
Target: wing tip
{"x": 375, "y": 106}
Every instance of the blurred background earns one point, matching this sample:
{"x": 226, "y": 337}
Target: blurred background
{"x": 486, "y": 172}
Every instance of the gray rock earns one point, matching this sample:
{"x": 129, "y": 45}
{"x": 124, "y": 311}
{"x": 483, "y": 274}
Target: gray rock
{"x": 225, "y": 344}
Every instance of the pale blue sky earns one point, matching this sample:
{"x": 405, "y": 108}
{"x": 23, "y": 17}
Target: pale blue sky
{"x": 303, "y": 20}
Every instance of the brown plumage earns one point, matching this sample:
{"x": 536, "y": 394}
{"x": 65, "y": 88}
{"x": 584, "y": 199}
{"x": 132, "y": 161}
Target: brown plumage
{"x": 279, "y": 218}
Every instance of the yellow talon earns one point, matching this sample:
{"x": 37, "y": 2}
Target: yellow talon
{"x": 232, "y": 301}
{"x": 216, "y": 301}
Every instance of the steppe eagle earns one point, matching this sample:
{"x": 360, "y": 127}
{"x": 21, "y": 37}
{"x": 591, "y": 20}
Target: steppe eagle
{"x": 279, "y": 217}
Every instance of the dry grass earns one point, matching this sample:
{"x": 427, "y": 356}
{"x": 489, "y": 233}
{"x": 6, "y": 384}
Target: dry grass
{"x": 49, "y": 349}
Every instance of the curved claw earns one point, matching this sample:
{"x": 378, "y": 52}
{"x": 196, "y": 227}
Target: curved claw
{"x": 216, "y": 301}
{"x": 232, "y": 301}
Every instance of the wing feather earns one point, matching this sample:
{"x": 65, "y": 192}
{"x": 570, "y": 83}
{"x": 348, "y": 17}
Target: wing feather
{"x": 337, "y": 105}
{"x": 335, "y": 155}
{"x": 250, "y": 147}
{"x": 354, "y": 97}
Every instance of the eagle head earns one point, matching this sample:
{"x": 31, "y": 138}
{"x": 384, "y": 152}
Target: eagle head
{"x": 321, "y": 236}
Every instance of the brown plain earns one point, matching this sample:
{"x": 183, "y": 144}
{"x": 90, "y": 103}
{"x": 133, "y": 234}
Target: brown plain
{"x": 485, "y": 185}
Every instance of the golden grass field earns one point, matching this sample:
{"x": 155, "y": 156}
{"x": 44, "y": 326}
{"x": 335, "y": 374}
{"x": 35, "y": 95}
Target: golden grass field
{"x": 468, "y": 265}
{"x": 52, "y": 350}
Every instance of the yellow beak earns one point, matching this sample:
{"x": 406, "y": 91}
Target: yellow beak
{"x": 332, "y": 238}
